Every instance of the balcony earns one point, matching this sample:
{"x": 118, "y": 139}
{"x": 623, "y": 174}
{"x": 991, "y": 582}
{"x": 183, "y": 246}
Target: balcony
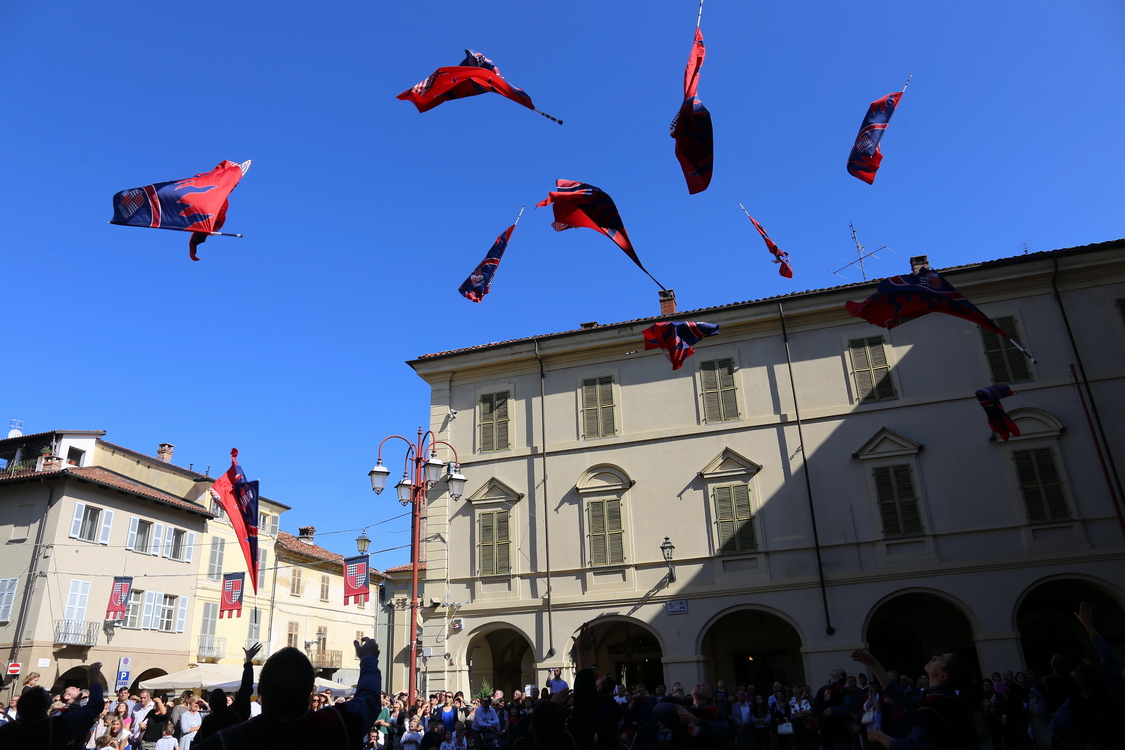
{"x": 327, "y": 659}
{"x": 212, "y": 647}
{"x": 76, "y": 632}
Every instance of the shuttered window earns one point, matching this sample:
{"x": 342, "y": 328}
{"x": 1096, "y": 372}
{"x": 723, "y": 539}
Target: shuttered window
{"x": 295, "y": 582}
{"x": 898, "y": 503}
{"x": 254, "y": 627}
{"x": 495, "y": 543}
{"x": 494, "y": 421}
{"x": 736, "y": 525}
{"x": 291, "y": 638}
{"x": 7, "y": 597}
{"x": 76, "y": 600}
{"x": 210, "y": 618}
{"x": 720, "y": 402}
{"x": 1041, "y": 485}
{"x": 215, "y": 564}
{"x": 597, "y": 407}
{"x": 607, "y": 537}
{"x": 1008, "y": 364}
{"x": 871, "y": 369}
{"x": 134, "y": 609}
{"x": 325, "y": 587}
{"x": 263, "y": 558}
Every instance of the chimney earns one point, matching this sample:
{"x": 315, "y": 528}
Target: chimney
{"x": 588, "y": 326}
{"x": 164, "y": 452}
{"x": 918, "y": 262}
{"x": 307, "y": 534}
{"x": 667, "y": 301}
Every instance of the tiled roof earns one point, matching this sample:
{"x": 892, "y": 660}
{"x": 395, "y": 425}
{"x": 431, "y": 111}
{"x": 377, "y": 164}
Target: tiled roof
{"x": 158, "y": 461}
{"x": 112, "y": 479}
{"x": 684, "y": 313}
{"x": 7, "y": 441}
{"x": 406, "y": 568}
{"x": 290, "y": 543}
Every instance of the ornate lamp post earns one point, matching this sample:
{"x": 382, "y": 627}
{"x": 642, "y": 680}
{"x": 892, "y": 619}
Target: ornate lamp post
{"x": 423, "y": 475}
{"x": 667, "y": 549}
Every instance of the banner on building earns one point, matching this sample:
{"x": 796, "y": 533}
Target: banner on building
{"x": 356, "y": 579}
{"x": 231, "y": 601}
{"x": 119, "y": 598}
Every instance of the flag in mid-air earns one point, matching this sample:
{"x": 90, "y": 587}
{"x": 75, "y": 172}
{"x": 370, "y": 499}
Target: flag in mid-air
{"x": 677, "y": 339}
{"x": 239, "y": 499}
{"x": 480, "y": 280}
{"x": 691, "y": 128}
{"x": 231, "y": 599}
{"x": 779, "y": 255}
{"x": 900, "y": 299}
{"x": 577, "y": 204}
{"x": 357, "y": 579}
{"x": 865, "y": 157}
{"x": 475, "y": 75}
{"x": 197, "y": 204}
{"x": 119, "y": 597}
{"x": 998, "y": 420}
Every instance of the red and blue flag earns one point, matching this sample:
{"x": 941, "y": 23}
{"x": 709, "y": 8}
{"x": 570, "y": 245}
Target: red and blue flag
{"x": 480, "y": 280}
{"x": 779, "y": 255}
{"x": 239, "y": 498}
{"x": 475, "y": 75}
{"x": 231, "y": 599}
{"x": 677, "y": 339}
{"x": 865, "y": 157}
{"x": 119, "y": 598}
{"x": 357, "y": 578}
{"x": 197, "y": 204}
{"x": 998, "y": 420}
{"x": 691, "y": 128}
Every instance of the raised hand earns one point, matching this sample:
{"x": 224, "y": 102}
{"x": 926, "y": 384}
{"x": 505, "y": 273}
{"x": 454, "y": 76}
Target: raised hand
{"x": 1085, "y": 615}
{"x": 368, "y": 648}
{"x": 251, "y": 652}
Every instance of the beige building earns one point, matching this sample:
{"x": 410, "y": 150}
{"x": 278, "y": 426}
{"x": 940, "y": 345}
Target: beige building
{"x": 75, "y": 511}
{"x": 930, "y": 536}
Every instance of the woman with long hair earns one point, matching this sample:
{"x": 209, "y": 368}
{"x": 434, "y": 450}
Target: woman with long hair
{"x": 118, "y": 734}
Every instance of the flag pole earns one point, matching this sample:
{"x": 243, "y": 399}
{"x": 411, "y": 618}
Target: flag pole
{"x": 700, "y": 16}
{"x": 653, "y": 278}
{"x": 552, "y": 119}
{"x": 1016, "y": 344}
{"x": 907, "y": 82}
{"x": 518, "y": 217}
{"x": 177, "y": 229}
{"x": 222, "y": 234}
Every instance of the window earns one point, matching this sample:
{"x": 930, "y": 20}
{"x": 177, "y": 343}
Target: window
{"x": 898, "y": 503}
{"x": 166, "y": 613}
{"x": 720, "y": 402}
{"x": 606, "y": 534}
{"x": 325, "y": 583}
{"x": 74, "y": 456}
{"x": 21, "y": 526}
{"x": 7, "y": 597}
{"x": 1041, "y": 485}
{"x": 295, "y": 582}
{"x": 871, "y": 370}
{"x": 140, "y": 536}
{"x": 76, "y": 600}
{"x": 91, "y": 524}
{"x": 254, "y": 627}
{"x": 321, "y": 639}
{"x": 1008, "y": 364}
{"x": 217, "y": 509}
{"x": 215, "y": 564}
{"x": 597, "y": 407}
{"x": 210, "y": 618}
{"x": 494, "y": 543}
{"x": 736, "y": 524}
{"x": 133, "y": 609}
{"x": 291, "y": 640}
{"x": 359, "y": 636}
{"x": 262, "y": 557}
{"x": 494, "y": 421}
{"x": 178, "y": 544}
{"x": 267, "y": 524}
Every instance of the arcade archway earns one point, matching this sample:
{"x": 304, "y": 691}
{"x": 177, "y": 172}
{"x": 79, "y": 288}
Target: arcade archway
{"x": 906, "y": 631}
{"x": 1047, "y": 626}
{"x": 503, "y": 658}
{"x": 78, "y": 677}
{"x": 752, "y": 647}
{"x": 148, "y": 674}
{"x": 629, "y": 651}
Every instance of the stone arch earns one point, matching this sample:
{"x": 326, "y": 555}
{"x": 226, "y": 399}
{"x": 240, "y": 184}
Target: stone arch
{"x": 501, "y": 655}
{"x": 739, "y": 607}
{"x": 906, "y": 628}
{"x": 75, "y": 677}
{"x": 1035, "y": 422}
{"x": 753, "y": 645}
{"x": 1043, "y": 616}
{"x": 148, "y": 674}
{"x": 604, "y": 478}
{"x": 630, "y": 649}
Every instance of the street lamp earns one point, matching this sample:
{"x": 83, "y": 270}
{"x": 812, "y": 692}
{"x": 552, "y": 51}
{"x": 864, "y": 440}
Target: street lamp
{"x": 362, "y": 543}
{"x": 421, "y": 459}
{"x": 667, "y": 549}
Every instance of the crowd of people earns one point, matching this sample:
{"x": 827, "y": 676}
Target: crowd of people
{"x": 1075, "y": 707}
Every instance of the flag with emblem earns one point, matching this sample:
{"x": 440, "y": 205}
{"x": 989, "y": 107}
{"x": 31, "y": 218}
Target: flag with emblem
{"x": 239, "y": 498}
{"x": 197, "y": 204}
{"x": 480, "y": 280}
{"x": 779, "y": 255}
{"x": 866, "y": 156}
{"x": 356, "y": 579}
{"x": 998, "y": 419}
{"x": 119, "y": 597}
{"x": 231, "y": 599}
{"x": 677, "y": 339}
{"x": 691, "y": 127}
{"x": 900, "y": 299}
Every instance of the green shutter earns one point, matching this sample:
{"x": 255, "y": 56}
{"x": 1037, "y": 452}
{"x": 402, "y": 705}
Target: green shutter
{"x": 615, "y": 534}
{"x": 720, "y": 402}
{"x": 907, "y": 501}
{"x": 724, "y": 513}
{"x": 487, "y": 423}
{"x": 898, "y": 503}
{"x": 503, "y": 561}
{"x": 743, "y": 519}
{"x": 605, "y": 406}
{"x": 501, "y": 414}
{"x": 487, "y": 544}
{"x": 885, "y": 494}
{"x": 597, "y": 407}
{"x": 597, "y": 532}
{"x": 1052, "y": 484}
{"x": 1041, "y": 485}
{"x": 1007, "y": 363}
{"x": 727, "y": 395}
{"x": 736, "y": 524}
{"x": 590, "y": 407}
{"x": 1029, "y": 484}
{"x": 872, "y": 369}
{"x": 881, "y": 368}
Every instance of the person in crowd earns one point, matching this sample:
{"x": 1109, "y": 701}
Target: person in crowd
{"x": 382, "y": 725}
{"x": 178, "y": 710}
{"x": 446, "y": 713}
{"x": 10, "y": 712}
{"x": 1091, "y": 716}
{"x": 32, "y": 680}
{"x": 225, "y": 710}
{"x": 152, "y": 728}
{"x": 870, "y": 717}
{"x": 640, "y": 719}
{"x": 137, "y": 717}
{"x": 761, "y": 723}
{"x": 373, "y": 741}
{"x": 123, "y": 700}
{"x": 118, "y": 733}
{"x": 944, "y": 720}
{"x": 721, "y": 693}
{"x": 189, "y": 723}
{"x": 701, "y": 724}
{"x": 832, "y": 708}
{"x": 168, "y": 740}
{"x": 994, "y": 709}
{"x": 800, "y": 711}
{"x": 486, "y": 724}
{"x": 412, "y": 738}
{"x": 32, "y": 728}
{"x": 782, "y": 722}
{"x": 101, "y": 727}
{"x": 742, "y": 715}
{"x": 286, "y": 681}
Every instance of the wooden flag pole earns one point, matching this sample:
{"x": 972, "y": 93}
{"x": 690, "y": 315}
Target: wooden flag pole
{"x": 907, "y": 82}
{"x": 700, "y": 16}
{"x": 552, "y": 119}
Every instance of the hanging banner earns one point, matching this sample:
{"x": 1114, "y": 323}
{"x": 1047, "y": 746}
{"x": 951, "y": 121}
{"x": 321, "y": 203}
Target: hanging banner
{"x": 356, "y": 578}
{"x": 119, "y": 598}
{"x": 231, "y": 601}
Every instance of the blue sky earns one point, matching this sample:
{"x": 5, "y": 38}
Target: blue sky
{"x": 361, "y": 216}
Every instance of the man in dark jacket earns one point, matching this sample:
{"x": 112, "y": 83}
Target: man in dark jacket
{"x": 832, "y": 706}
{"x": 700, "y": 725}
{"x": 1091, "y": 717}
{"x": 33, "y": 729}
{"x": 222, "y": 715}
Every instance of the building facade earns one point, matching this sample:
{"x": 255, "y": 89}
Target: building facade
{"x": 823, "y": 484}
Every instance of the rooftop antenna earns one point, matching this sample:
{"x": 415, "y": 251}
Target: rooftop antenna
{"x": 15, "y": 424}
{"x": 859, "y": 249}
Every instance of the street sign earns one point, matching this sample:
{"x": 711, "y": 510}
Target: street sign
{"x": 14, "y": 667}
{"x": 123, "y": 672}
{"x": 44, "y": 663}
{"x": 677, "y": 607}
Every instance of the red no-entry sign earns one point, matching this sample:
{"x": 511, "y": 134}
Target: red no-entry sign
{"x": 14, "y": 667}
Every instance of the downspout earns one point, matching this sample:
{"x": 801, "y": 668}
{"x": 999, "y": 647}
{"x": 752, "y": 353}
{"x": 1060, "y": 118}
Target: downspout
{"x": 808, "y": 481}
{"x": 1086, "y": 382}
{"x": 273, "y": 597}
{"x": 546, "y": 510}
{"x": 32, "y": 573}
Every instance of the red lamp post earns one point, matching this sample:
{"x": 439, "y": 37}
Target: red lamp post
{"x": 427, "y": 471}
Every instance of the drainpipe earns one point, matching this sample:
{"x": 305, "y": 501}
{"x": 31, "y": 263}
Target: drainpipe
{"x": 546, "y": 510}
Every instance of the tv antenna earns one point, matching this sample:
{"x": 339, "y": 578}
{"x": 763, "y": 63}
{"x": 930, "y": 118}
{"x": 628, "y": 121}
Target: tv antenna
{"x": 16, "y": 425}
{"x": 862, "y": 255}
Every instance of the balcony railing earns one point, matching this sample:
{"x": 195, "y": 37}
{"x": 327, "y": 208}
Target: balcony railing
{"x": 76, "y": 632}
{"x": 327, "y": 659}
{"x": 212, "y": 647}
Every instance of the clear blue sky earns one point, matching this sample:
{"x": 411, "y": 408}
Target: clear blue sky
{"x": 362, "y": 216}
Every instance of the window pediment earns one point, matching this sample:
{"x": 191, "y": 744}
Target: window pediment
{"x": 604, "y": 478}
{"x": 1035, "y": 423}
{"x": 495, "y": 492}
{"x": 886, "y": 444}
{"x": 729, "y": 465}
